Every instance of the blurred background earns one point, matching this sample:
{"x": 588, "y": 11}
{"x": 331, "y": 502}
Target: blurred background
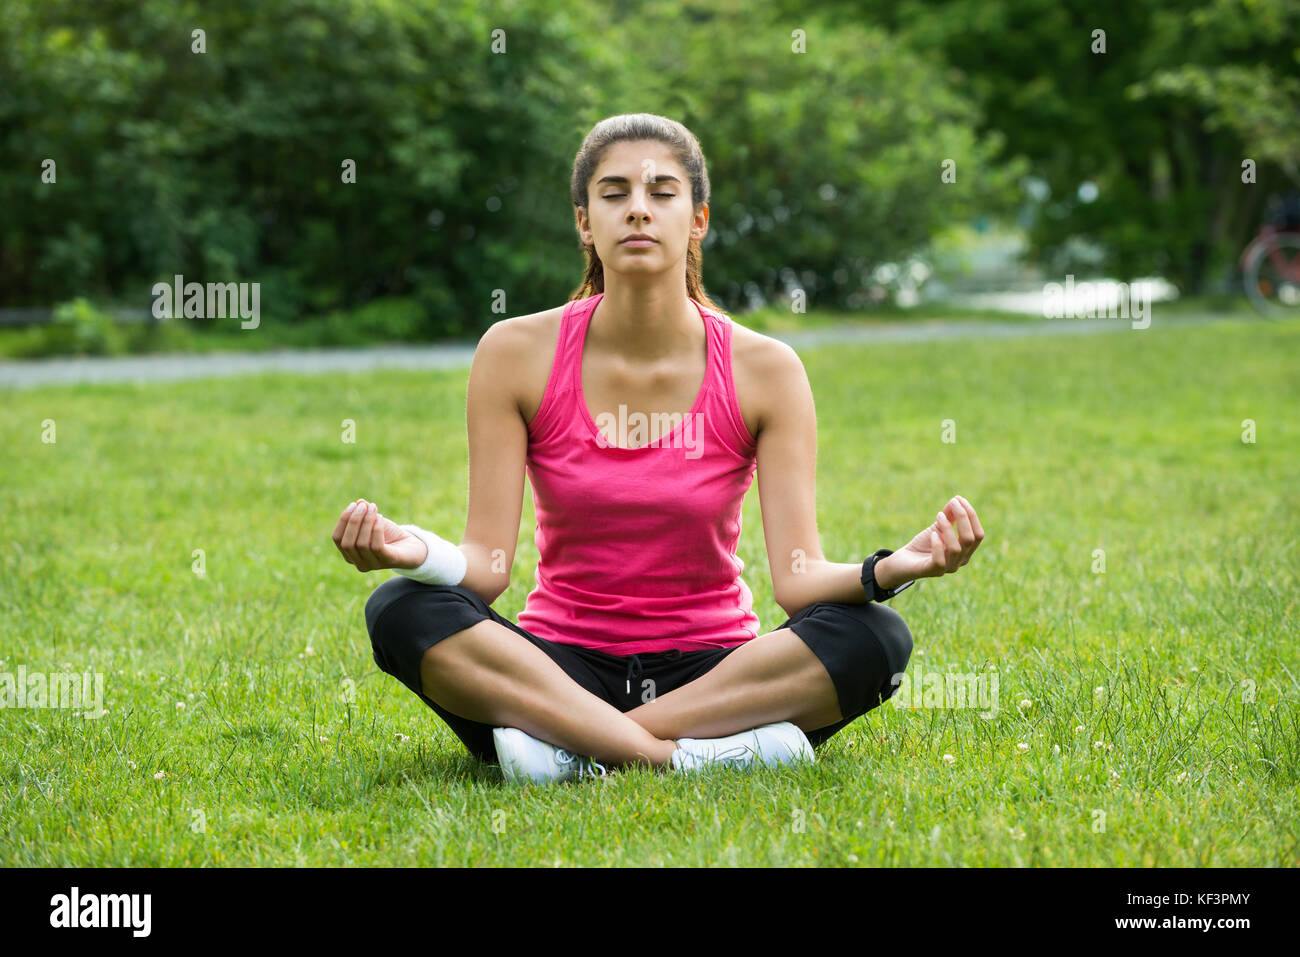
{"x": 1104, "y": 140}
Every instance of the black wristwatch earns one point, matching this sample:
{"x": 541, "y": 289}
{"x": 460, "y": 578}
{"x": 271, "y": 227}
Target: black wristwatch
{"x": 869, "y": 584}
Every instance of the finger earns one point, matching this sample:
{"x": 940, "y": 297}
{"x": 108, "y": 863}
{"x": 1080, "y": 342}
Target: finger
{"x": 364, "y": 533}
{"x": 952, "y": 547}
{"x": 936, "y": 549}
{"x": 976, "y": 530}
{"x": 974, "y": 520}
{"x": 341, "y": 532}
{"x": 342, "y": 523}
{"x": 965, "y": 531}
{"x": 377, "y": 537}
{"x": 349, "y": 544}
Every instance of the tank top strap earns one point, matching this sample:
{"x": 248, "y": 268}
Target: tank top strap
{"x": 572, "y": 333}
{"x": 722, "y": 384}
{"x": 564, "y": 382}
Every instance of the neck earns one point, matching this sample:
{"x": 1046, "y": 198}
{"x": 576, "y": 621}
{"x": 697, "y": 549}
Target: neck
{"x": 645, "y": 322}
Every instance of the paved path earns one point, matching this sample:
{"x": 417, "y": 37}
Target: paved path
{"x": 30, "y": 373}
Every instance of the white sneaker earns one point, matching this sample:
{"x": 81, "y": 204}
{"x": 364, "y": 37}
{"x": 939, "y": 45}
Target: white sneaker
{"x": 770, "y": 744}
{"x": 524, "y": 758}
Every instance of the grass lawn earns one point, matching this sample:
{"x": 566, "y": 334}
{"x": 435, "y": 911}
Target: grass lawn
{"x": 1148, "y": 715}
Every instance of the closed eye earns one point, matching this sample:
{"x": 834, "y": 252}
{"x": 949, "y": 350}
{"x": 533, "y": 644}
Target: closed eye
{"x": 617, "y": 195}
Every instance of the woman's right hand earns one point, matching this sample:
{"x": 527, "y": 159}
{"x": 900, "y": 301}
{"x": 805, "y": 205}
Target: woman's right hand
{"x": 371, "y": 542}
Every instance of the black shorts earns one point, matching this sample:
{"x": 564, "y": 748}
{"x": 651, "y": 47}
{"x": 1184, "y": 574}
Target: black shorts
{"x": 864, "y": 649}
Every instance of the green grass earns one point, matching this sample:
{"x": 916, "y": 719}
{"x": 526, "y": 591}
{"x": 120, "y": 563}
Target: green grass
{"x": 1128, "y": 442}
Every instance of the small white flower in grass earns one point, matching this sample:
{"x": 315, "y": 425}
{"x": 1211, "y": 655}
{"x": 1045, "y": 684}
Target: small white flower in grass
{"x": 180, "y": 705}
{"x": 1182, "y": 776}
{"x": 1022, "y": 747}
{"x": 1078, "y": 729}
{"x": 160, "y": 775}
{"x": 948, "y": 758}
{"x": 324, "y": 738}
{"x": 131, "y": 764}
{"x": 309, "y": 651}
{"x": 1056, "y": 748}
{"x": 1017, "y": 833}
{"x": 1098, "y": 745}
{"x": 853, "y": 858}
{"x": 402, "y": 738}
{"x": 1025, "y": 704}
{"x": 1099, "y": 690}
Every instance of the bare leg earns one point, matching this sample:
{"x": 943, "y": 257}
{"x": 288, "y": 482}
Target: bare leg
{"x": 489, "y": 673}
{"x": 774, "y": 677}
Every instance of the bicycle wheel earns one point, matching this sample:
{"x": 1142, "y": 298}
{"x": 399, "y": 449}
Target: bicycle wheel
{"x": 1271, "y": 276}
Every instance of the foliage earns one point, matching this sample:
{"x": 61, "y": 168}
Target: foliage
{"x": 228, "y": 164}
{"x": 1159, "y": 123}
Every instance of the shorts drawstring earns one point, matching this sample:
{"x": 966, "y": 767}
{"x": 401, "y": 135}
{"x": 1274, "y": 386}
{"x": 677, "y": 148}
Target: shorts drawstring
{"x": 633, "y": 662}
{"x": 635, "y": 667}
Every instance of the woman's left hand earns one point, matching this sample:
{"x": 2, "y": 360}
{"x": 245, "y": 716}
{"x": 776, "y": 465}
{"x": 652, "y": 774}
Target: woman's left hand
{"x": 942, "y": 548}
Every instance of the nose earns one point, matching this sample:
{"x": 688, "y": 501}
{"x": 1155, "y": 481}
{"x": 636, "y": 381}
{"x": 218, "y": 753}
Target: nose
{"x": 639, "y": 202}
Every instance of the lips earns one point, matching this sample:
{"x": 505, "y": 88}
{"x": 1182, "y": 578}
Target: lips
{"x": 640, "y": 237}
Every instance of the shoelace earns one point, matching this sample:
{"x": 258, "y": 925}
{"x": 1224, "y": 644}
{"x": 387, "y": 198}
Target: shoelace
{"x": 586, "y": 766}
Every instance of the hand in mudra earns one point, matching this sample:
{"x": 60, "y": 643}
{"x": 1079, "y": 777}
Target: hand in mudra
{"x": 370, "y": 541}
{"x": 944, "y": 547}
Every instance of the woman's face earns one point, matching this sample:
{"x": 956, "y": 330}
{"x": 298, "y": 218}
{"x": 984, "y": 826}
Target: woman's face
{"x": 638, "y": 187}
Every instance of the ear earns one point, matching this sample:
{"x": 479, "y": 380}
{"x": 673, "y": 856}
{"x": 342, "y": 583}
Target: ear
{"x": 580, "y": 222}
{"x": 701, "y": 222}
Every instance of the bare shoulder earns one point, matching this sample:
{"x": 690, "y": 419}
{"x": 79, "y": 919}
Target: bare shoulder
{"x": 518, "y": 352}
{"x": 768, "y": 374}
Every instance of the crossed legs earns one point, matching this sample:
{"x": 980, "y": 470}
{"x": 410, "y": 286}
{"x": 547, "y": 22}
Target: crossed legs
{"x": 490, "y": 674}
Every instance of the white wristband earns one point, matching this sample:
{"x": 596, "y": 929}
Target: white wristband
{"x": 445, "y": 564}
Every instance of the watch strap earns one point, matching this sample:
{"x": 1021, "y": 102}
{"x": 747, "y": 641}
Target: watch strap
{"x": 870, "y": 586}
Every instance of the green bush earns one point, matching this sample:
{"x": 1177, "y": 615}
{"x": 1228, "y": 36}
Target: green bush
{"x": 390, "y": 319}
{"x": 80, "y": 329}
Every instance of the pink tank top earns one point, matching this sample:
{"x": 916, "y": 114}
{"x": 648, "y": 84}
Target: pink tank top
{"x": 637, "y": 540}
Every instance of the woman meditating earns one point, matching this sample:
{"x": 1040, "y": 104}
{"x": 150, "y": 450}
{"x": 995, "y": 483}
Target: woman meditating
{"x": 640, "y": 414}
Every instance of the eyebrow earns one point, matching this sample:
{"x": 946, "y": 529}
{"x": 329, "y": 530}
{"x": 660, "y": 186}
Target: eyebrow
{"x": 662, "y": 178}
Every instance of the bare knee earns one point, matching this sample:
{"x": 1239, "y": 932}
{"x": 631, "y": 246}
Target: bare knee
{"x": 459, "y": 651}
{"x": 456, "y": 674}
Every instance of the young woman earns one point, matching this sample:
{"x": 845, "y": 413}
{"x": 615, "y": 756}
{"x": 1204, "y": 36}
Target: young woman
{"x": 640, "y": 413}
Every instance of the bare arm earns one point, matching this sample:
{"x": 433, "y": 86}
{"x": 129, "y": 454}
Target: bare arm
{"x": 498, "y": 445}
{"x": 787, "y": 476}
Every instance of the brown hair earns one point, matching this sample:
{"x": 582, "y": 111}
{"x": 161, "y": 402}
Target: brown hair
{"x": 685, "y": 149}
